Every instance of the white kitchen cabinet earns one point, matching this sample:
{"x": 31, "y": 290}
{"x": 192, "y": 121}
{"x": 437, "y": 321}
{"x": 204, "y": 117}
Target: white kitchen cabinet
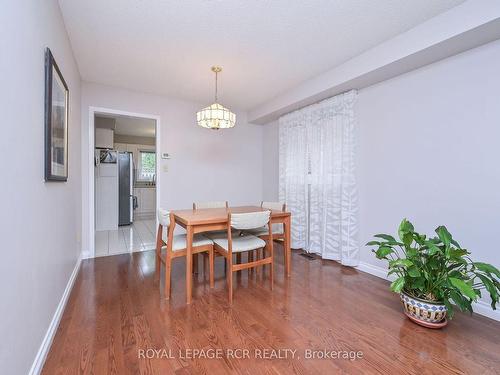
{"x": 146, "y": 200}
{"x": 104, "y": 138}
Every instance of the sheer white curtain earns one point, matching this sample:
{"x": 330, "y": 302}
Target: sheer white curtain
{"x": 317, "y": 177}
{"x": 293, "y": 169}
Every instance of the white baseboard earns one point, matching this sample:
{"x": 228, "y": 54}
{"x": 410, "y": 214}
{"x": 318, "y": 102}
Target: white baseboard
{"x": 374, "y": 270}
{"x": 480, "y": 307}
{"x": 41, "y": 356}
{"x": 483, "y": 308}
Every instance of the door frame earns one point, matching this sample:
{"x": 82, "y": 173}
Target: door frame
{"x": 90, "y": 163}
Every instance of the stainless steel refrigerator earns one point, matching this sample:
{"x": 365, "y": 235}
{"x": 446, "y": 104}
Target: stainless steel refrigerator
{"x": 125, "y": 188}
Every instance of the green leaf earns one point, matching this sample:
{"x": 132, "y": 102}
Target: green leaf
{"x": 418, "y": 283}
{"x": 464, "y": 288}
{"x": 411, "y": 252}
{"x": 461, "y": 261}
{"x": 463, "y": 303}
{"x": 457, "y": 254}
{"x": 395, "y": 270}
{"x": 404, "y": 228}
{"x": 433, "y": 248}
{"x": 372, "y": 243}
{"x": 420, "y": 238}
{"x": 413, "y": 271}
{"x": 455, "y": 274}
{"x": 492, "y": 290}
{"x": 444, "y": 235}
{"x": 385, "y": 237}
{"x": 383, "y": 251}
{"x": 434, "y": 264}
{"x": 408, "y": 239}
{"x": 449, "y": 307}
{"x": 435, "y": 240}
{"x": 398, "y": 284}
{"x": 400, "y": 263}
{"x": 488, "y": 268}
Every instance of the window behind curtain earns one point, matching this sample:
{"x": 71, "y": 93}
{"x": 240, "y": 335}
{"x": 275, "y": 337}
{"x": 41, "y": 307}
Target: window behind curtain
{"x": 147, "y": 165}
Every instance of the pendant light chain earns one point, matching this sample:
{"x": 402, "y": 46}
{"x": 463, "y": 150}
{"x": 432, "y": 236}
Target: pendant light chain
{"x": 216, "y": 86}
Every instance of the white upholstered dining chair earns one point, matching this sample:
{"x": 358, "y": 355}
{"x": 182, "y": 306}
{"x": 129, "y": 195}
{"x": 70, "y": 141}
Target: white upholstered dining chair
{"x": 200, "y": 206}
{"x": 215, "y": 204}
{"x": 277, "y": 229}
{"x": 176, "y": 247}
{"x": 278, "y": 232}
{"x": 227, "y": 245}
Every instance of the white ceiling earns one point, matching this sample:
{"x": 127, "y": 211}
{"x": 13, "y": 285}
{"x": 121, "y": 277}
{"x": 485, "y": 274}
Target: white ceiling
{"x": 133, "y": 126}
{"x": 264, "y": 46}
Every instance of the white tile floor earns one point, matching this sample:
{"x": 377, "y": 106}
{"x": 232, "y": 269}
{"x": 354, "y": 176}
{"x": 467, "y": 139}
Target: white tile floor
{"x": 139, "y": 236}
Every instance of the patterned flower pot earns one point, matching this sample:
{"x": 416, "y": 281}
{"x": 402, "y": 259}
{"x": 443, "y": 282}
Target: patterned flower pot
{"x": 426, "y": 313}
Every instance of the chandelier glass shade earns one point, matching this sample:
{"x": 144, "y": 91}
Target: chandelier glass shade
{"x": 216, "y": 116}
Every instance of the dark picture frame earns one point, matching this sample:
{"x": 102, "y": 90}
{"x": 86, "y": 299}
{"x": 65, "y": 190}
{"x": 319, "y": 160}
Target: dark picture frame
{"x": 56, "y": 121}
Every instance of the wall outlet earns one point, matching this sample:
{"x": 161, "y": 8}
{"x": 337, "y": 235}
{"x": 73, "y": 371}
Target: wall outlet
{"x": 165, "y": 155}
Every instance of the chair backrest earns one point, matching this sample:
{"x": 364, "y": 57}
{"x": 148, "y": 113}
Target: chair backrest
{"x": 164, "y": 217}
{"x": 277, "y": 206}
{"x": 200, "y": 205}
{"x": 250, "y": 220}
{"x": 167, "y": 221}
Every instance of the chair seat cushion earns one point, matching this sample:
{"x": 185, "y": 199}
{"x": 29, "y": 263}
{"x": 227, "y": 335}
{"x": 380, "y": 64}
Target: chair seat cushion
{"x": 246, "y": 242}
{"x": 262, "y": 231}
{"x": 179, "y": 242}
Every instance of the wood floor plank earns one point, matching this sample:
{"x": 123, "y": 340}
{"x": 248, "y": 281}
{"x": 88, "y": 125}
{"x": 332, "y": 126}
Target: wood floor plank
{"x": 117, "y": 308}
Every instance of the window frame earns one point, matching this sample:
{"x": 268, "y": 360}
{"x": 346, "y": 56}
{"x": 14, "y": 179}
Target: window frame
{"x": 139, "y": 165}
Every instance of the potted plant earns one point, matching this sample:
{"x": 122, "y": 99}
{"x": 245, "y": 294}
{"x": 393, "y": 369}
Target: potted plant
{"x": 433, "y": 274}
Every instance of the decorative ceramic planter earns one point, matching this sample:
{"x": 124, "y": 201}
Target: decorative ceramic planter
{"x": 427, "y": 313}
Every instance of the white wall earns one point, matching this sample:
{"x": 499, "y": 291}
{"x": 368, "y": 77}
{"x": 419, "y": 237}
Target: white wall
{"x": 270, "y": 168}
{"x": 40, "y": 221}
{"x": 429, "y": 150}
{"x": 205, "y": 164}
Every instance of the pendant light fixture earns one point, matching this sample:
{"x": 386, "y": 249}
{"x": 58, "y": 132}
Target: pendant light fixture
{"x": 216, "y": 116}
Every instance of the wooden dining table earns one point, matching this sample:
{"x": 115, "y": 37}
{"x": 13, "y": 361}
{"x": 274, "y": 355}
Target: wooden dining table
{"x": 210, "y": 219}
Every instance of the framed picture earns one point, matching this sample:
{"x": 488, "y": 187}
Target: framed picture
{"x": 56, "y": 121}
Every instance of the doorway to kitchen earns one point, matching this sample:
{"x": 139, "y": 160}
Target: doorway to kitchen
{"x": 125, "y": 183}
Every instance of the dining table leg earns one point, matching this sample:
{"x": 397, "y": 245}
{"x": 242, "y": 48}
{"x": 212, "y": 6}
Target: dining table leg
{"x": 189, "y": 263}
{"x": 288, "y": 248}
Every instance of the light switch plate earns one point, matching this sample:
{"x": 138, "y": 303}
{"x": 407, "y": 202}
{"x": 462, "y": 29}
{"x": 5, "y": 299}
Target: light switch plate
{"x": 165, "y": 167}
{"x": 165, "y": 155}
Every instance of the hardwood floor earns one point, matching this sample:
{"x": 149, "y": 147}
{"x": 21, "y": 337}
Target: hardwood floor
{"x": 116, "y": 312}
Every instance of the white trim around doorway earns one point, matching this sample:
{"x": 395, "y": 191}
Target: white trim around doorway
{"x": 90, "y": 163}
